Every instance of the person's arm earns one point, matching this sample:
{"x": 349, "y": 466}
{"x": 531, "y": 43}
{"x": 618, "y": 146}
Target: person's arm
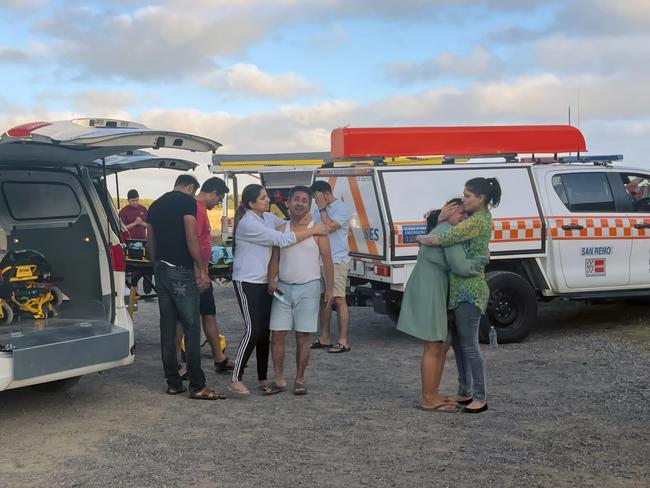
{"x": 194, "y": 248}
{"x": 328, "y": 267}
{"x": 253, "y": 230}
{"x": 462, "y": 232}
{"x": 274, "y": 269}
{"x": 461, "y": 265}
{"x": 151, "y": 244}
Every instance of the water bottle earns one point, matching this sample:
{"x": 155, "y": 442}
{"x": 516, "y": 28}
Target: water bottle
{"x": 493, "y": 338}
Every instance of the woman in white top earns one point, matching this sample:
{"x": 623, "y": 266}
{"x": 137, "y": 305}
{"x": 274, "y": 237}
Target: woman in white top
{"x": 255, "y": 236}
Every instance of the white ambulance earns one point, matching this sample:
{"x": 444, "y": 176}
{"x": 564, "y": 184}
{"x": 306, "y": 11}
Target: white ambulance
{"x": 54, "y": 204}
{"x": 568, "y": 226}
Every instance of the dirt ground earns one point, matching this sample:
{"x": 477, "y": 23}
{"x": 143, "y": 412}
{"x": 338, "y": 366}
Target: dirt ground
{"x": 568, "y": 407}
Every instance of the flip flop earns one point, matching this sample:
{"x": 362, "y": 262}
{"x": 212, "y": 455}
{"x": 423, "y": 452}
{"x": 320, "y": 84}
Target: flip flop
{"x": 299, "y": 389}
{"x": 175, "y": 390}
{"x": 207, "y": 394}
{"x": 338, "y": 348}
{"x": 441, "y": 407}
{"x": 272, "y": 389}
{"x": 240, "y": 393}
{"x": 224, "y": 366}
{"x": 318, "y": 345}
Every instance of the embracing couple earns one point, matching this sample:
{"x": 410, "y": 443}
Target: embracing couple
{"x": 449, "y": 274}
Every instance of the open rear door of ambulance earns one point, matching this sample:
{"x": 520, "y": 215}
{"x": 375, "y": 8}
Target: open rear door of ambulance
{"x": 358, "y": 189}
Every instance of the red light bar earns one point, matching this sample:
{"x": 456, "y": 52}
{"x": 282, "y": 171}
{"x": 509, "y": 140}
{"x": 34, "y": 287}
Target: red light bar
{"x": 25, "y": 130}
{"x": 459, "y": 141}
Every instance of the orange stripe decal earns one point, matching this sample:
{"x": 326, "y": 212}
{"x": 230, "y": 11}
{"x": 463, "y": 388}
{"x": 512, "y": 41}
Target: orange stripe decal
{"x": 361, "y": 211}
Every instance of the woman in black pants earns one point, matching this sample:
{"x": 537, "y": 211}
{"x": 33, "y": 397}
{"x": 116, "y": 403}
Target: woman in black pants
{"x": 255, "y": 236}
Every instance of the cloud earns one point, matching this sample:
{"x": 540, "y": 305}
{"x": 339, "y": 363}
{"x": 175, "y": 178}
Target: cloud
{"x": 14, "y": 55}
{"x": 21, "y": 4}
{"x": 479, "y": 62}
{"x": 247, "y": 80}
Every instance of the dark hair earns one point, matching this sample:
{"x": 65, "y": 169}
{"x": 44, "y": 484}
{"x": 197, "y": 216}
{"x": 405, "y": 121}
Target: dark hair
{"x": 487, "y": 187}
{"x": 250, "y": 195}
{"x": 300, "y": 189}
{"x": 322, "y": 186}
{"x": 432, "y": 215}
{"x": 132, "y": 194}
{"x": 215, "y": 185}
{"x": 185, "y": 180}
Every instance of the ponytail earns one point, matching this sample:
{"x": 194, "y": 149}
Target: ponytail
{"x": 487, "y": 187}
{"x": 250, "y": 194}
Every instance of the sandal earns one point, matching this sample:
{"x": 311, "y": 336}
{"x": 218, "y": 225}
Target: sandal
{"x": 245, "y": 392}
{"x": 318, "y": 345}
{"x": 207, "y": 394}
{"x": 224, "y": 366}
{"x": 339, "y": 348}
{"x": 441, "y": 407}
{"x": 299, "y": 389}
{"x": 175, "y": 390}
{"x": 272, "y": 389}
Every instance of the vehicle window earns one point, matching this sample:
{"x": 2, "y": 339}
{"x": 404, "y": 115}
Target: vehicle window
{"x": 40, "y": 200}
{"x": 584, "y": 192}
{"x": 638, "y": 190}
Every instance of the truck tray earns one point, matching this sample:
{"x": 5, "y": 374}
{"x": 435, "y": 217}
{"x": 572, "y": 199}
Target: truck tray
{"x": 62, "y": 345}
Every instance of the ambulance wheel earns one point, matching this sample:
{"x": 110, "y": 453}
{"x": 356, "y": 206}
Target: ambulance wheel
{"x": 7, "y": 314}
{"x": 57, "y": 386}
{"x": 512, "y": 308}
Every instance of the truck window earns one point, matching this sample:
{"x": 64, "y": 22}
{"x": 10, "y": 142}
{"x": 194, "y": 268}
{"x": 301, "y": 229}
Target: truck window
{"x": 584, "y": 192}
{"x": 40, "y": 200}
{"x": 638, "y": 190}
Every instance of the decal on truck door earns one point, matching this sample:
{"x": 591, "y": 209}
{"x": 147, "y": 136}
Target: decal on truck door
{"x": 595, "y": 267}
{"x": 366, "y": 235}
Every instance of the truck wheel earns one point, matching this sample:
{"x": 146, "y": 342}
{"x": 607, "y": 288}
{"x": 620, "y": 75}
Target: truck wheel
{"x": 57, "y": 386}
{"x": 512, "y": 308}
{"x": 7, "y": 314}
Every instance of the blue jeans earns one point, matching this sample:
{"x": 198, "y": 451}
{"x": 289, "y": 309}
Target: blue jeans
{"x": 178, "y": 300}
{"x": 469, "y": 359}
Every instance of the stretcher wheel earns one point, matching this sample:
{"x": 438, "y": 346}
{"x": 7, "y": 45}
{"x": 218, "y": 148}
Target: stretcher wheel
{"x": 7, "y": 314}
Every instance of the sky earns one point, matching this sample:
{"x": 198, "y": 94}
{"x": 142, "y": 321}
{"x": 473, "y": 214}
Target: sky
{"x": 278, "y": 76}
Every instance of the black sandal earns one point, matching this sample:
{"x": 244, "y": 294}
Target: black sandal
{"x": 223, "y": 366}
{"x": 175, "y": 390}
{"x": 318, "y": 345}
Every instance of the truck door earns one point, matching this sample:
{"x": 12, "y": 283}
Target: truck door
{"x": 636, "y": 192}
{"x": 591, "y": 237}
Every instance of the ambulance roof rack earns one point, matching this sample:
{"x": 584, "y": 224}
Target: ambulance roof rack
{"x": 603, "y": 160}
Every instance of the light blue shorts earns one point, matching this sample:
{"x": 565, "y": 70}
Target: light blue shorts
{"x": 300, "y": 313}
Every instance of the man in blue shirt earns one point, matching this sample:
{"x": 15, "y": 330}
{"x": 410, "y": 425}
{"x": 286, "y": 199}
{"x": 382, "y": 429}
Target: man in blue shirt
{"x": 336, "y": 215}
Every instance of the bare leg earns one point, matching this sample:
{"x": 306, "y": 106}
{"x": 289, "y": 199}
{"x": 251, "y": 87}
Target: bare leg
{"x": 324, "y": 318}
{"x": 211, "y": 331}
{"x": 343, "y": 315}
{"x": 302, "y": 355}
{"x": 431, "y": 366}
{"x": 278, "y": 338}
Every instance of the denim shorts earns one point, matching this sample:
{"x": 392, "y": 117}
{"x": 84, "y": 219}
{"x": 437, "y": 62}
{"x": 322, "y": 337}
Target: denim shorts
{"x": 300, "y": 312}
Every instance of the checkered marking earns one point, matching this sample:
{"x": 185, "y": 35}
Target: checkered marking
{"x": 509, "y": 230}
{"x": 605, "y": 228}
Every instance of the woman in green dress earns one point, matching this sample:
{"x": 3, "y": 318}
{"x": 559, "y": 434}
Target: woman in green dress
{"x": 468, "y": 295}
{"x": 423, "y": 312}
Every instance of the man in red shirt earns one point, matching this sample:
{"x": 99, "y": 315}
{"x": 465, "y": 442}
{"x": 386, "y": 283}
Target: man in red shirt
{"x": 211, "y": 195}
{"x": 134, "y": 217}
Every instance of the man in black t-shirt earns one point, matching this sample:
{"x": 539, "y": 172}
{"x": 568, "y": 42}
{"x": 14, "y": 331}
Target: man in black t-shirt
{"x": 174, "y": 248}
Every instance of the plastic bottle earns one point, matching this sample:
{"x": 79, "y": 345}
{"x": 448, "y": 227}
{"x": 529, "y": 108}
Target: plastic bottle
{"x": 493, "y": 338}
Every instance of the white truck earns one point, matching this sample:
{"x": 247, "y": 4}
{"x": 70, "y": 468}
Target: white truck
{"x": 54, "y": 204}
{"x": 569, "y": 227}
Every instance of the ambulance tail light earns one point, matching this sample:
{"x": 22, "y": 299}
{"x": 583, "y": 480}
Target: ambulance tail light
{"x": 118, "y": 259}
{"x": 25, "y": 130}
{"x": 382, "y": 271}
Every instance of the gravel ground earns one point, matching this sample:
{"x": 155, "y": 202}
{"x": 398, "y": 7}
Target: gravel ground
{"x": 568, "y": 407}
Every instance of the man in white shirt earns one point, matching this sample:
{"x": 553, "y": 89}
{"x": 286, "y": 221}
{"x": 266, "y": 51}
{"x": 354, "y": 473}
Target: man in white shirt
{"x": 336, "y": 215}
{"x": 295, "y": 281}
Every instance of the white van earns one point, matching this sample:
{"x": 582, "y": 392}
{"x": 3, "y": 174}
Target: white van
{"x": 54, "y": 202}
